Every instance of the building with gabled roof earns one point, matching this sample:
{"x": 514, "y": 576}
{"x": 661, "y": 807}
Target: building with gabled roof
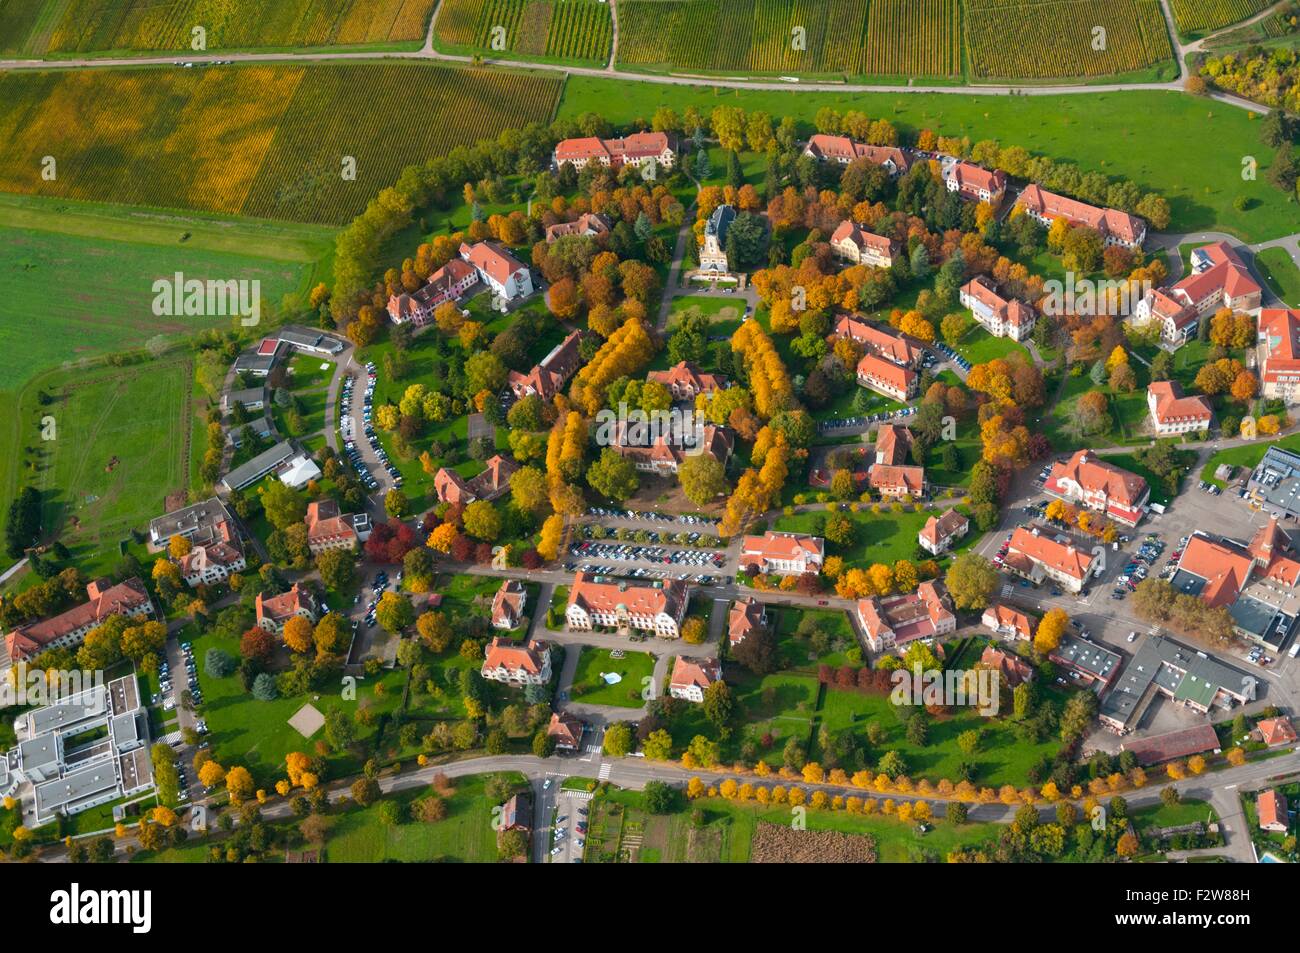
{"x": 1001, "y": 317}
{"x": 787, "y": 554}
{"x": 274, "y": 611}
{"x": 939, "y": 533}
{"x": 895, "y": 621}
{"x": 1114, "y": 226}
{"x": 842, "y": 149}
{"x": 893, "y": 445}
{"x": 1173, "y": 413}
{"x": 491, "y": 484}
{"x": 567, "y": 731}
{"x": 887, "y": 378}
{"x": 330, "y": 528}
{"x": 745, "y": 616}
{"x": 858, "y": 246}
{"x": 1011, "y": 668}
{"x": 685, "y": 381}
{"x": 691, "y": 677}
{"x": 884, "y": 343}
{"x": 1279, "y": 345}
{"x": 501, "y": 271}
{"x": 1219, "y": 279}
{"x": 1272, "y": 812}
{"x": 550, "y": 375}
{"x": 449, "y": 283}
{"x": 1036, "y": 557}
{"x": 1182, "y": 743}
{"x": 127, "y": 598}
{"x": 665, "y": 455}
{"x": 974, "y": 183}
{"x": 713, "y": 251}
{"x": 895, "y": 482}
{"x": 508, "y": 604}
{"x": 1008, "y": 622}
{"x": 514, "y": 663}
{"x": 589, "y": 224}
{"x": 1276, "y": 731}
{"x": 656, "y": 607}
{"x": 633, "y": 150}
{"x": 1087, "y": 480}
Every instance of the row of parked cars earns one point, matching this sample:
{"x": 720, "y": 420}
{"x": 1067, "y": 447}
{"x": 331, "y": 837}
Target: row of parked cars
{"x": 641, "y": 572}
{"x": 649, "y": 554}
{"x": 1141, "y": 564}
{"x": 845, "y": 422}
{"x": 652, "y": 516}
{"x": 354, "y": 455}
{"x": 953, "y": 356}
{"x": 192, "y": 678}
{"x": 1211, "y": 488}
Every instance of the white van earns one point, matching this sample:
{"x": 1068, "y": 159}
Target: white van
{"x": 1295, "y": 649}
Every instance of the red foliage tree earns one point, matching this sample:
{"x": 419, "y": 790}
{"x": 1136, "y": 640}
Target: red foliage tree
{"x": 256, "y": 644}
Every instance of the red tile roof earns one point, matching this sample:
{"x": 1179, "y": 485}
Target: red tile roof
{"x": 1280, "y": 329}
{"x": 640, "y": 599}
{"x": 908, "y": 479}
{"x": 1094, "y": 475}
{"x": 862, "y": 238}
{"x": 899, "y": 379}
{"x": 1224, "y": 567}
{"x": 1109, "y": 222}
{"x": 701, "y": 672}
{"x": 845, "y": 149}
{"x": 1012, "y": 310}
{"x": 515, "y": 657}
{"x": 496, "y": 262}
{"x": 972, "y": 178}
{"x": 1061, "y": 557}
{"x": 1002, "y": 616}
{"x": 1172, "y": 407}
{"x": 1182, "y": 743}
{"x": 894, "y": 442}
{"x": 105, "y": 600}
{"x": 887, "y": 344}
{"x": 951, "y": 523}
{"x": 1277, "y": 731}
{"x": 1271, "y": 809}
{"x": 744, "y": 617}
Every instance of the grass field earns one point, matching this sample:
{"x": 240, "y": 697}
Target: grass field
{"x": 36, "y": 28}
{"x": 853, "y": 37}
{"x": 879, "y": 538}
{"x": 1185, "y": 148}
{"x": 119, "y": 447}
{"x": 64, "y": 297}
{"x": 1059, "y": 38}
{"x": 634, "y": 667}
{"x": 980, "y": 347}
{"x": 167, "y": 137}
{"x": 560, "y": 30}
{"x": 1281, "y": 274}
{"x": 1246, "y": 455}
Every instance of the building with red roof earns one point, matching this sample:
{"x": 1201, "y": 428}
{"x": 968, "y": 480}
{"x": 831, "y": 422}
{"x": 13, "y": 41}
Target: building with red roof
{"x": 1114, "y": 226}
{"x": 1183, "y": 743}
{"x": 975, "y": 184}
{"x": 1271, "y": 809}
{"x": 1088, "y": 481}
{"x": 508, "y": 604}
{"x": 128, "y": 598}
{"x": 1012, "y": 669}
{"x": 550, "y": 375}
{"x": 566, "y": 730}
{"x": 657, "y": 608}
{"x": 1279, "y": 367}
{"x": 886, "y": 344}
{"x": 1219, "y": 279}
{"x": 448, "y": 283}
{"x": 685, "y": 381}
{"x": 745, "y": 616}
{"x": 861, "y": 247}
{"x": 634, "y": 150}
{"x": 895, "y": 482}
{"x": 893, "y": 622}
{"x": 589, "y": 224}
{"x": 329, "y": 528}
{"x": 501, "y": 271}
{"x": 1008, "y": 622}
{"x": 940, "y": 532}
{"x": 1173, "y": 413}
{"x": 491, "y": 484}
{"x": 515, "y": 663}
{"x": 1001, "y": 317}
{"x": 1276, "y": 731}
{"x": 692, "y": 676}
{"x": 886, "y": 377}
{"x": 842, "y": 149}
{"x": 787, "y": 554}
{"x": 1036, "y": 557}
{"x": 274, "y": 611}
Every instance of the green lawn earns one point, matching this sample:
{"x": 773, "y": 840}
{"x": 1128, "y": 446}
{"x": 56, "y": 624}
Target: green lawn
{"x": 1246, "y": 456}
{"x": 1159, "y": 492}
{"x": 780, "y": 705}
{"x": 634, "y": 667}
{"x": 884, "y": 537}
{"x": 118, "y": 449}
{"x": 797, "y": 653}
{"x": 1127, "y": 412}
{"x": 1174, "y": 815}
{"x": 257, "y": 734}
{"x": 1281, "y": 274}
{"x": 980, "y": 347}
{"x": 465, "y": 835}
{"x": 1188, "y": 149}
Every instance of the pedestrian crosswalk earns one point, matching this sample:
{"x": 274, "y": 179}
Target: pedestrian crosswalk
{"x": 604, "y": 771}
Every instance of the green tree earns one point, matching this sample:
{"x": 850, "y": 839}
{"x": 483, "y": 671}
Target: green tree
{"x": 613, "y": 475}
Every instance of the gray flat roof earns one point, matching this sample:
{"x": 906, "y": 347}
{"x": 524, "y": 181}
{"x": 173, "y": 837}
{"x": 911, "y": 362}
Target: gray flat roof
{"x": 38, "y": 752}
{"x": 258, "y": 467}
{"x": 92, "y": 703}
{"x": 1176, "y": 669}
{"x": 191, "y": 519}
{"x": 1087, "y": 656}
{"x": 254, "y": 362}
{"x": 75, "y": 786}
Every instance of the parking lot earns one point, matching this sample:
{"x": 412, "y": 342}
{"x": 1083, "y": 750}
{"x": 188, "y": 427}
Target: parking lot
{"x": 662, "y": 522}
{"x": 366, "y": 454}
{"x": 568, "y": 826}
{"x": 842, "y": 424}
{"x": 170, "y": 696}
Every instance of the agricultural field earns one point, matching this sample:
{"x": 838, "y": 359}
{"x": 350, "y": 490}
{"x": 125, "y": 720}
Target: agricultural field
{"x": 67, "y": 27}
{"x": 855, "y": 37}
{"x": 1200, "y": 16}
{"x": 1059, "y": 38}
{"x": 166, "y": 137}
{"x": 549, "y": 29}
